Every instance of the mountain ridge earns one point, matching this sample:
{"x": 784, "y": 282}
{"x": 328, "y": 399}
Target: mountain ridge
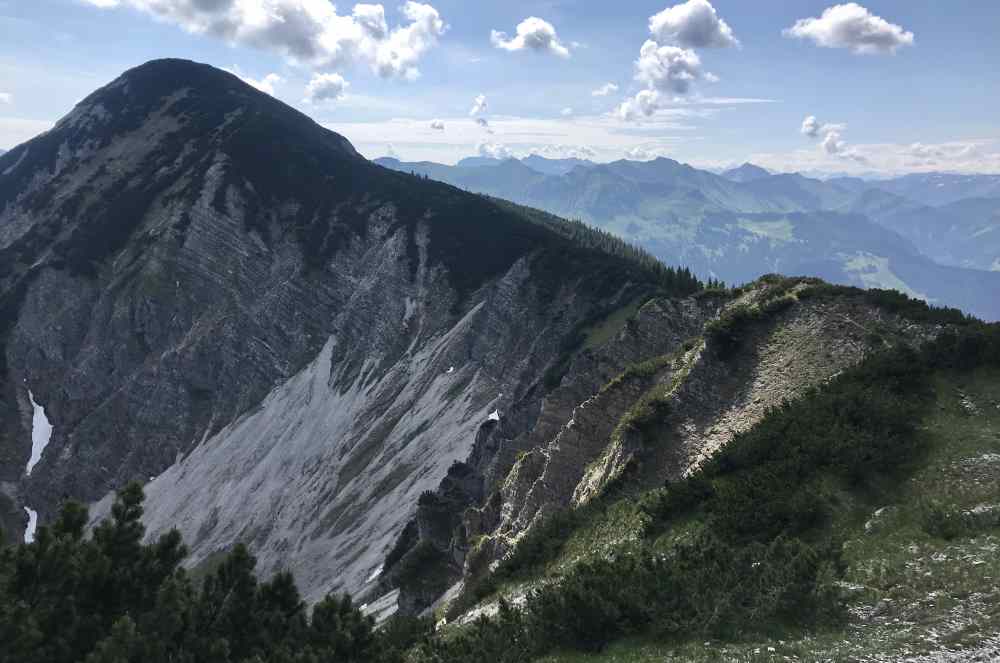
{"x": 165, "y": 285}
{"x": 676, "y": 212}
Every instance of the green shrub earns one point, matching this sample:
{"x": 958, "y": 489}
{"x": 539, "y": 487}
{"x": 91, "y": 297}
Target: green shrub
{"x": 762, "y": 552}
{"x": 945, "y": 521}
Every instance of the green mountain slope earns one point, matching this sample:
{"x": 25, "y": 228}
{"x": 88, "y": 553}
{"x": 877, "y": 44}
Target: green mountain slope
{"x": 861, "y": 519}
{"x": 921, "y": 571}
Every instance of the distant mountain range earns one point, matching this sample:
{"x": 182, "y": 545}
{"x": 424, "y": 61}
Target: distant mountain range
{"x": 746, "y": 173}
{"x": 936, "y": 236}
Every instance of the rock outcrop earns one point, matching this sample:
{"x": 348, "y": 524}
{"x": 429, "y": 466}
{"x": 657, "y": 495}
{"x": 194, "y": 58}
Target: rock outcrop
{"x": 289, "y": 344}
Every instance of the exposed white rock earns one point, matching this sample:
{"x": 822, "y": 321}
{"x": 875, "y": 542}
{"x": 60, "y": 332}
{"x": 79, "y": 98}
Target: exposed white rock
{"x": 309, "y": 480}
{"x": 41, "y": 433}
{"x": 29, "y": 533}
{"x": 382, "y": 608}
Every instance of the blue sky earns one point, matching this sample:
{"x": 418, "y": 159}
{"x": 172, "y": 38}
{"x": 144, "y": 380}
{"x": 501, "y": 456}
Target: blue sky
{"x": 894, "y": 86}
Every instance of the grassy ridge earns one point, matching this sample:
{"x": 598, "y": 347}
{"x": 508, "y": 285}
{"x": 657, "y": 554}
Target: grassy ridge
{"x": 754, "y": 541}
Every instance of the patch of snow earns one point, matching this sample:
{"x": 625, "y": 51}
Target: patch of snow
{"x": 450, "y": 370}
{"x": 29, "y": 533}
{"x": 494, "y": 416}
{"x": 375, "y": 574}
{"x": 41, "y": 433}
{"x": 411, "y": 307}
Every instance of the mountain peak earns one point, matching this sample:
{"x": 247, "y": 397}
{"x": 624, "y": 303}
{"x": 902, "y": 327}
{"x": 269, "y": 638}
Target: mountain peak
{"x": 748, "y": 172}
{"x": 200, "y": 97}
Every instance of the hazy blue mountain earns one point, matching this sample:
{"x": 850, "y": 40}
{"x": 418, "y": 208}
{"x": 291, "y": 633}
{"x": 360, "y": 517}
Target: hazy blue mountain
{"x": 965, "y": 233}
{"x": 842, "y": 229}
{"x": 475, "y": 162}
{"x": 846, "y": 183}
{"x": 794, "y": 191}
{"x": 748, "y": 172}
{"x": 942, "y": 188}
{"x": 842, "y": 248}
{"x": 554, "y": 166}
{"x": 535, "y": 162}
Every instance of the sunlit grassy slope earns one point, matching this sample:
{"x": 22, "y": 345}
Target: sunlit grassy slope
{"x": 923, "y": 555}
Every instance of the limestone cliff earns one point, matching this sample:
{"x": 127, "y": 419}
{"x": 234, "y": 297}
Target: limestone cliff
{"x": 209, "y": 292}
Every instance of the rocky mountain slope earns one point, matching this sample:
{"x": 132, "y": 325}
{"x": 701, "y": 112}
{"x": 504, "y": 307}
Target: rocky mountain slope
{"x": 377, "y": 381}
{"x": 795, "y": 517}
{"x": 206, "y": 290}
{"x": 658, "y": 413}
{"x": 746, "y": 223}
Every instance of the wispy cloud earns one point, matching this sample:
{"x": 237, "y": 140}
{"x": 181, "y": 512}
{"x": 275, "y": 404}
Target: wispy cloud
{"x": 605, "y": 90}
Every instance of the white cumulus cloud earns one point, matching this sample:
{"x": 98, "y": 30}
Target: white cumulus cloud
{"x": 559, "y": 151}
{"x": 265, "y": 84}
{"x": 309, "y": 32}
{"x": 533, "y": 34}
{"x": 566, "y": 112}
{"x": 665, "y": 71}
{"x": 853, "y": 27}
{"x": 692, "y": 24}
{"x": 640, "y": 153}
{"x": 810, "y": 126}
{"x": 479, "y": 106}
{"x": 668, "y": 68}
{"x": 6, "y": 98}
{"x": 832, "y": 142}
{"x": 437, "y": 125}
{"x": 326, "y": 87}
{"x": 643, "y": 104}
{"x": 494, "y": 151}
{"x": 605, "y": 90}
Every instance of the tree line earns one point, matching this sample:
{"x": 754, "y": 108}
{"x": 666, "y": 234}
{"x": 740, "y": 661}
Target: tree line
{"x": 110, "y": 598}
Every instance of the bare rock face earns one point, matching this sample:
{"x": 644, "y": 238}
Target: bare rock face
{"x": 677, "y": 402}
{"x": 210, "y": 293}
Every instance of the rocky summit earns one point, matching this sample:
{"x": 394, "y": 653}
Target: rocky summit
{"x": 207, "y": 291}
